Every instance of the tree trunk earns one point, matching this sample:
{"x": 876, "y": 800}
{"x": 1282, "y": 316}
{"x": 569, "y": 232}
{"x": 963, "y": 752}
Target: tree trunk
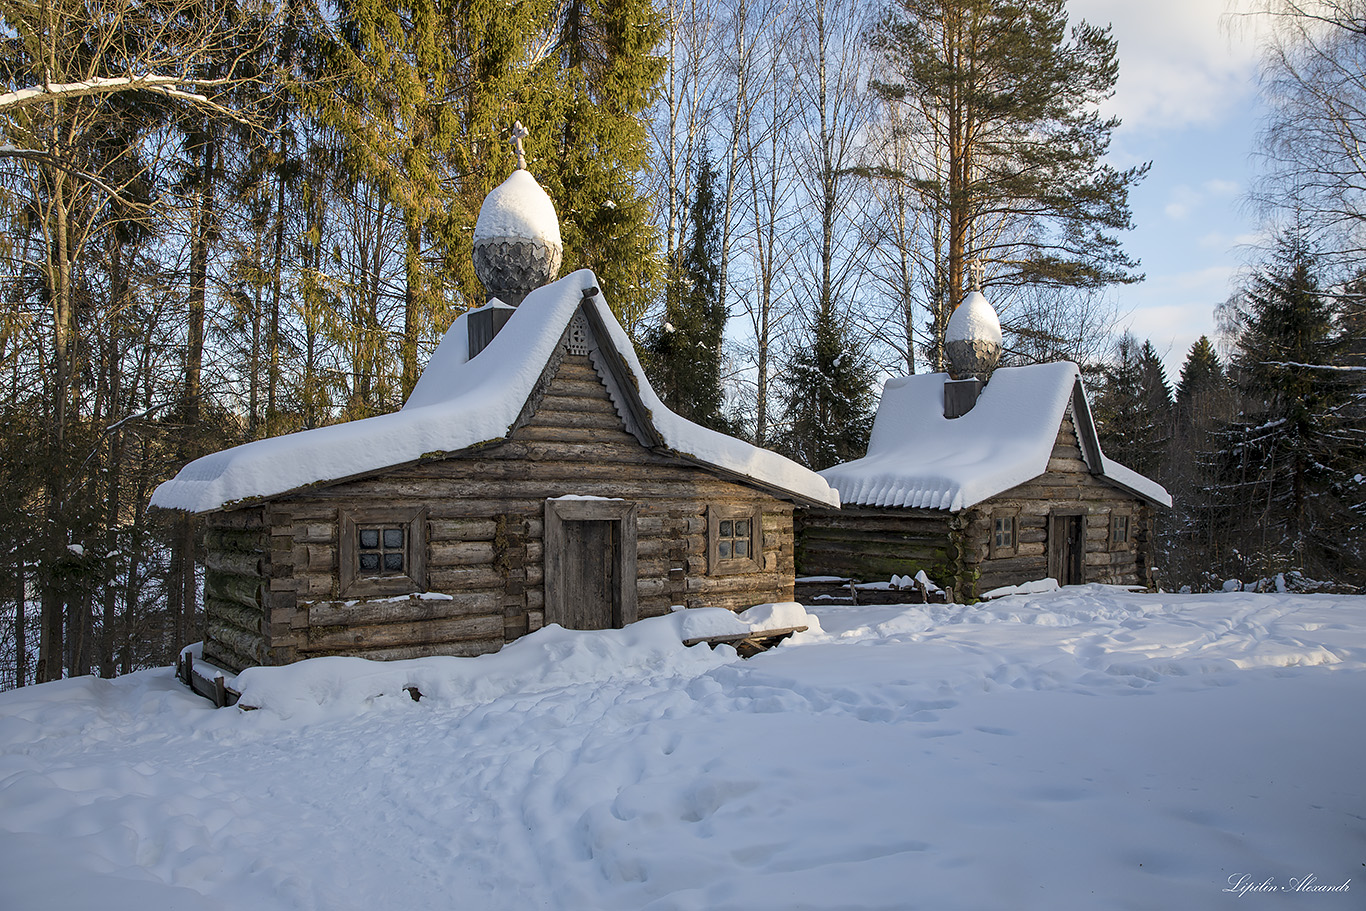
{"x": 411, "y": 302}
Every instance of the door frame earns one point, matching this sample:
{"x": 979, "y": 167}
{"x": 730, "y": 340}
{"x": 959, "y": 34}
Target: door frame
{"x": 1055, "y": 567}
{"x": 620, "y": 512}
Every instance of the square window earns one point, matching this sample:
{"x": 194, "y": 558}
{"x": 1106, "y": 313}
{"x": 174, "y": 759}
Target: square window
{"x": 733, "y": 540}
{"x": 381, "y": 551}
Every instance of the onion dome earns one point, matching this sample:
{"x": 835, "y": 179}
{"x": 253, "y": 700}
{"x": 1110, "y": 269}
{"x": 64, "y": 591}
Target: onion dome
{"x": 517, "y": 239}
{"x": 972, "y": 340}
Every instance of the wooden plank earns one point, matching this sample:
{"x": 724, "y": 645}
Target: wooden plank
{"x": 248, "y": 619}
{"x": 252, "y": 517}
{"x": 235, "y": 562}
{"x": 876, "y": 525}
{"x": 713, "y": 641}
{"x": 464, "y": 648}
{"x": 243, "y": 590}
{"x": 407, "y": 610}
{"x": 544, "y": 433}
{"x": 576, "y": 420}
{"x": 461, "y": 553}
{"x": 750, "y": 582}
{"x": 444, "y": 528}
{"x": 463, "y": 578}
{"x": 236, "y": 641}
{"x": 556, "y": 402}
{"x": 398, "y": 635}
{"x": 1017, "y": 566}
{"x": 233, "y": 540}
{"x": 441, "y": 495}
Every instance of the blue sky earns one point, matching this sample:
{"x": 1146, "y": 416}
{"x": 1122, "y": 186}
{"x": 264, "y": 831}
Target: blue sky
{"x": 1188, "y": 97}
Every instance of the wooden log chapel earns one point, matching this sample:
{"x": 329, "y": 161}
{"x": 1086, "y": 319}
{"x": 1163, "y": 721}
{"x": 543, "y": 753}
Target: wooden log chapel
{"x": 984, "y": 479}
{"x": 532, "y": 477}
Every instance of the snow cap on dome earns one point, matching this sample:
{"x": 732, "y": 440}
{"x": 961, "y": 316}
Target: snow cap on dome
{"x": 518, "y": 209}
{"x": 972, "y": 339}
{"x": 974, "y": 320}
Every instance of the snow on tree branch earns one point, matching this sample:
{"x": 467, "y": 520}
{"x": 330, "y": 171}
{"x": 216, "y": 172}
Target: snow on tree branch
{"x": 166, "y": 86}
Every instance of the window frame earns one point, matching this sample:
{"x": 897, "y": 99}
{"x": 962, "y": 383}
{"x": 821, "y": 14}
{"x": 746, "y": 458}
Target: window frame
{"x": 351, "y": 582}
{"x": 1115, "y": 515}
{"x": 732, "y": 565}
{"x": 995, "y": 550}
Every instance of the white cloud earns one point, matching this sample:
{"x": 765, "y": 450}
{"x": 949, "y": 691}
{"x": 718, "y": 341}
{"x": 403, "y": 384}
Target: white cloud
{"x": 1174, "y": 310}
{"x": 1218, "y": 187}
{"x": 1179, "y": 65}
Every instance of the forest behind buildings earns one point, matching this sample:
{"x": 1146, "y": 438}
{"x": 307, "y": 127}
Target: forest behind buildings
{"x": 225, "y": 220}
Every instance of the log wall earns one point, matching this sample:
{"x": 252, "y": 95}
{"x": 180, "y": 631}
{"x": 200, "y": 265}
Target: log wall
{"x": 872, "y": 543}
{"x": 235, "y": 580}
{"x": 484, "y": 528}
{"x": 1067, "y": 485}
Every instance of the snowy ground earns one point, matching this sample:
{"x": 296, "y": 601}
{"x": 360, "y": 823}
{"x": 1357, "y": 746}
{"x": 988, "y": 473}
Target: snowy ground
{"x": 1080, "y": 749}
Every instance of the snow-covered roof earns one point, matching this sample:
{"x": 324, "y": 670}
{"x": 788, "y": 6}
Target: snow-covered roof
{"x": 460, "y": 402}
{"x": 919, "y": 458}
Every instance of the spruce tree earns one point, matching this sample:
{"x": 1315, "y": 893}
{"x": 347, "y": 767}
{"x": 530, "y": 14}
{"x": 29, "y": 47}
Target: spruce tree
{"x": 1290, "y": 462}
{"x": 1133, "y": 410}
{"x": 605, "y": 80}
{"x": 1201, "y": 375}
{"x": 829, "y": 399}
{"x": 1189, "y": 539}
{"x": 684, "y": 350}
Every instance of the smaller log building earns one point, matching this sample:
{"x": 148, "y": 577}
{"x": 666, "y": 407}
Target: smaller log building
{"x": 1012, "y": 488}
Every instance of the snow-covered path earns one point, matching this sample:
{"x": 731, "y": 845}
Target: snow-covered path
{"x": 1086, "y": 748}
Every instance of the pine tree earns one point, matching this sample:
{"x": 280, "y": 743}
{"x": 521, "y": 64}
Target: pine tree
{"x": 1289, "y": 463}
{"x": 1000, "y": 105}
{"x": 684, "y": 351}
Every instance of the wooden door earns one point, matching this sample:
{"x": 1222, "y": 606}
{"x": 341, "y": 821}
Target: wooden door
{"x": 590, "y": 563}
{"x": 1067, "y": 548}
{"x": 589, "y": 574}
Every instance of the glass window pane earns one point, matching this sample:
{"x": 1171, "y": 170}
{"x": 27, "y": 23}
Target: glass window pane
{"x": 723, "y": 549}
{"x": 369, "y": 563}
{"x": 727, "y": 528}
{"x": 393, "y": 563}
{"x": 741, "y": 547}
{"x": 742, "y": 528}
{"x": 369, "y": 537}
{"x": 393, "y": 538}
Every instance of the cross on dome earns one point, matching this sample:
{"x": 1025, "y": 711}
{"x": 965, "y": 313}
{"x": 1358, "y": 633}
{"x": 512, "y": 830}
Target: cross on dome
{"x": 978, "y": 272}
{"x": 519, "y": 133}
